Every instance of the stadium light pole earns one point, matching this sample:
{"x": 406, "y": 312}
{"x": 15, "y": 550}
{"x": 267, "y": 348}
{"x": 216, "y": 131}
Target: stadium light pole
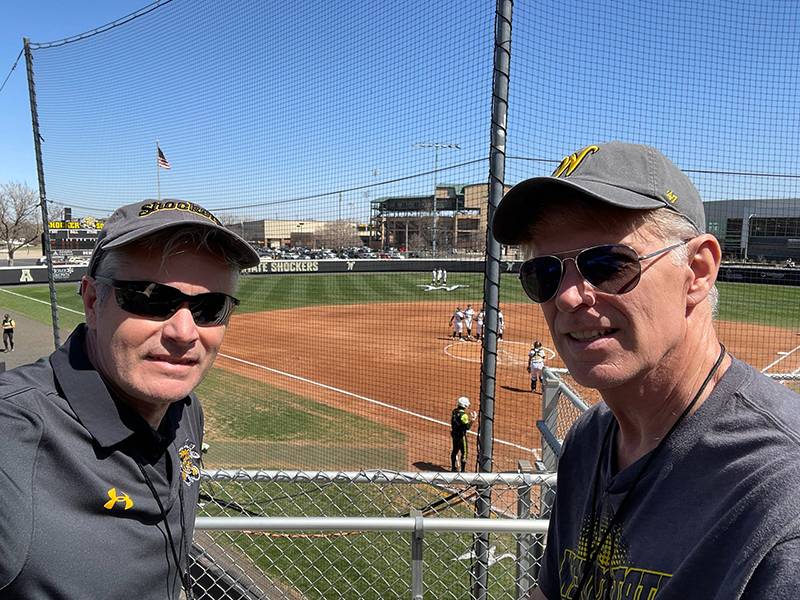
{"x": 436, "y": 146}
{"x": 747, "y": 236}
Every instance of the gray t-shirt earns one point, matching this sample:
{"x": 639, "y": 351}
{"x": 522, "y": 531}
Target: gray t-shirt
{"x": 77, "y": 516}
{"x": 716, "y": 515}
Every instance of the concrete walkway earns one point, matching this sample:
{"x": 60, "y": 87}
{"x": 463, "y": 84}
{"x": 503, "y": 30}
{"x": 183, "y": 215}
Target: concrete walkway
{"x": 32, "y": 340}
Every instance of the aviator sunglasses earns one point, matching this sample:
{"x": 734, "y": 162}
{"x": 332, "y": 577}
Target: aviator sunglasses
{"x": 610, "y": 268}
{"x": 159, "y": 301}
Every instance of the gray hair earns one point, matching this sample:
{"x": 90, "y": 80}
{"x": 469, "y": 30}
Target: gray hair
{"x": 169, "y": 242}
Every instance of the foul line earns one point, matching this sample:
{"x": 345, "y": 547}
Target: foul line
{"x": 780, "y": 358}
{"x": 77, "y": 312}
{"x": 370, "y": 400}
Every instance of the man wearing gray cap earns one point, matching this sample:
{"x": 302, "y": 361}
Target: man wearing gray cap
{"x": 684, "y": 483}
{"x": 99, "y": 457}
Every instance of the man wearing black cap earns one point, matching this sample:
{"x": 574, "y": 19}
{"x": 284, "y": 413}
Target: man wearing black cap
{"x": 684, "y": 482}
{"x": 99, "y": 457}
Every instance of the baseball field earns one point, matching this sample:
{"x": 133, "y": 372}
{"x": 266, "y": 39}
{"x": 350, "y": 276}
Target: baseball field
{"x": 358, "y": 371}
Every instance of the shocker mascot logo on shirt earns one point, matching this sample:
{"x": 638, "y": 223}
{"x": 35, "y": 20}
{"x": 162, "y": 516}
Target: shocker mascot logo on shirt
{"x": 612, "y": 577}
{"x": 190, "y": 471}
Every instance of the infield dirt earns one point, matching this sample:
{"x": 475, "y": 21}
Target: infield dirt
{"x": 397, "y": 365}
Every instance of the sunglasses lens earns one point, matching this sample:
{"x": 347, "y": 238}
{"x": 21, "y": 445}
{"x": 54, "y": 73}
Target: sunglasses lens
{"x": 159, "y": 301}
{"x": 146, "y": 300}
{"x": 540, "y": 277}
{"x": 212, "y": 309}
{"x": 613, "y": 269}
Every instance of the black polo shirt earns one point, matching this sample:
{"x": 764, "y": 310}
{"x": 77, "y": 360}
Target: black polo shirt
{"x": 79, "y": 476}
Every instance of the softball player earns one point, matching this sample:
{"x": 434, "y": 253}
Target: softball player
{"x": 536, "y": 364}
{"x": 469, "y": 315}
{"x": 460, "y": 423}
{"x": 457, "y": 322}
{"x": 479, "y": 324}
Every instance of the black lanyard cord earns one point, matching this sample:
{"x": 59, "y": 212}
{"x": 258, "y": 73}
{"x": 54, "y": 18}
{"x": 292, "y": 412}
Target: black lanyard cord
{"x": 617, "y": 515}
{"x": 183, "y": 575}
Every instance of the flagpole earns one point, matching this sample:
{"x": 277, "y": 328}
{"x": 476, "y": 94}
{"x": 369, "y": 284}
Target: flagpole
{"x": 158, "y": 174}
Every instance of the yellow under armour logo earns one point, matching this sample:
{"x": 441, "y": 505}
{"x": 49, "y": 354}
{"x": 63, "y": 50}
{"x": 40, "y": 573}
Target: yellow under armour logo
{"x": 115, "y": 498}
{"x": 571, "y": 162}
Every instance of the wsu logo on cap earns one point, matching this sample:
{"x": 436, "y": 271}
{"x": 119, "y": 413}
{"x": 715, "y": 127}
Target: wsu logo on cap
{"x": 182, "y": 205}
{"x": 571, "y": 162}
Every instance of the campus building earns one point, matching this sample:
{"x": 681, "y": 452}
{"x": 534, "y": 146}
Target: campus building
{"x": 765, "y": 229}
{"x": 455, "y": 219}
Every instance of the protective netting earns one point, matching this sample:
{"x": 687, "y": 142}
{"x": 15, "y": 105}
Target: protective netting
{"x": 316, "y": 128}
{"x": 714, "y": 87}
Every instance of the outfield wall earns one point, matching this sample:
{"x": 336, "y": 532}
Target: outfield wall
{"x": 727, "y": 273}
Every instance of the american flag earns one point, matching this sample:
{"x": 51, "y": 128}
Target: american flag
{"x": 162, "y": 160}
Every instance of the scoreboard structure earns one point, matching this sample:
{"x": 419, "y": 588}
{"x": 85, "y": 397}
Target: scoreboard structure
{"x": 73, "y": 239}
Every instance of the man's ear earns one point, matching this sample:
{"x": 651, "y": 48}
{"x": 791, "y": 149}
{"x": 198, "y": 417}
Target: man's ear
{"x": 705, "y": 256}
{"x": 89, "y": 296}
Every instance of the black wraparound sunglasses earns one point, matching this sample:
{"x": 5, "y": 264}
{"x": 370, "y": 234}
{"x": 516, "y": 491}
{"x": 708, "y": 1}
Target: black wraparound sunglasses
{"x": 610, "y": 268}
{"x": 159, "y": 301}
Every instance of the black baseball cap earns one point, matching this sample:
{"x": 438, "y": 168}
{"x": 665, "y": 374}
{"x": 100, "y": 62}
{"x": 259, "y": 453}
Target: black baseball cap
{"x": 133, "y": 222}
{"x": 626, "y": 175}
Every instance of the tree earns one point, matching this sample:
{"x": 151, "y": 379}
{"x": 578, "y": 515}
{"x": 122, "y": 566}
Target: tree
{"x": 19, "y": 217}
{"x": 338, "y": 234}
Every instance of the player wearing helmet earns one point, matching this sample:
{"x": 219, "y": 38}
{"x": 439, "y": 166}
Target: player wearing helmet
{"x": 460, "y": 423}
{"x": 536, "y": 364}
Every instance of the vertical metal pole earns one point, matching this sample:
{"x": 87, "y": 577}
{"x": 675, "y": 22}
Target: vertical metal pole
{"x": 417, "y": 536}
{"x": 435, "y": 212}
{"x": 158, "y": 174}
{"x": 524, "y": 575}
{"x": 551, "y": 392}
{"x": 37, "y": 145}
{"x": 491, "y": 283}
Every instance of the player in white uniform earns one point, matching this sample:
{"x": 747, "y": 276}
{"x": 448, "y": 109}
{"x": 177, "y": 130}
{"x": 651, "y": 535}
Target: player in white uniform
{"x": 457, "y": 321}
{"x": 536, "y": 364}
{"x": 479, "y": 324}
{"x": 440, "y": 277}
{"x": 469, "y": 315}
{"x": 501, "y": 324}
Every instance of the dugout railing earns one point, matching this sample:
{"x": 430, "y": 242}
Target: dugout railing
{"x": 371, "y": 534}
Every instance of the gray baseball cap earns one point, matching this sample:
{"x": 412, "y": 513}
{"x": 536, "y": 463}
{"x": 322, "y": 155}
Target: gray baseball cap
{"x": 136, "y": 221}
{"x": 617, "y": 173}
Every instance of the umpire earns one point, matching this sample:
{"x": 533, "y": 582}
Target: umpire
{"x": 460, "y": 423}
{"x": 101, "y": 440}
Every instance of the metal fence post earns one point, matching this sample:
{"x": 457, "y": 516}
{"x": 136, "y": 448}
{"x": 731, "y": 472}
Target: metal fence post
{"x": 37, "y": 145}
{"x": 550, "y": 394}
{"x": 491, "y": 284}
{"x": 417, "y": 536}
{"x": 524, "y": 574}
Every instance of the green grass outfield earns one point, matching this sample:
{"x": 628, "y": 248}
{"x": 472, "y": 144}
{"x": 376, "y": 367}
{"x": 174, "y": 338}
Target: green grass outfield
{"x": 763, "y": 304}
{"x": 305, "y": 439}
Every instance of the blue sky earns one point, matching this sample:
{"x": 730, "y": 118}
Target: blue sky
{"x": 39, "y": 20}
{"x": 314, "y": 109}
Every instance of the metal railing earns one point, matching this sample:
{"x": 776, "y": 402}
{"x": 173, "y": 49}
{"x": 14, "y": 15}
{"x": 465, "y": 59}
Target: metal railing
{"x": 372, "y": 534}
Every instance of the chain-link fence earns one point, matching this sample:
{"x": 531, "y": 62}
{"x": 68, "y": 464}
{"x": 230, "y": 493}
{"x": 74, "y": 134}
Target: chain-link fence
{"x": 376, "y": 534}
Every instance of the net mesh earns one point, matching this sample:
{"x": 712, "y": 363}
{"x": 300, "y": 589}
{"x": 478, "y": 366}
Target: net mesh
{"x": 316, "y": 129}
